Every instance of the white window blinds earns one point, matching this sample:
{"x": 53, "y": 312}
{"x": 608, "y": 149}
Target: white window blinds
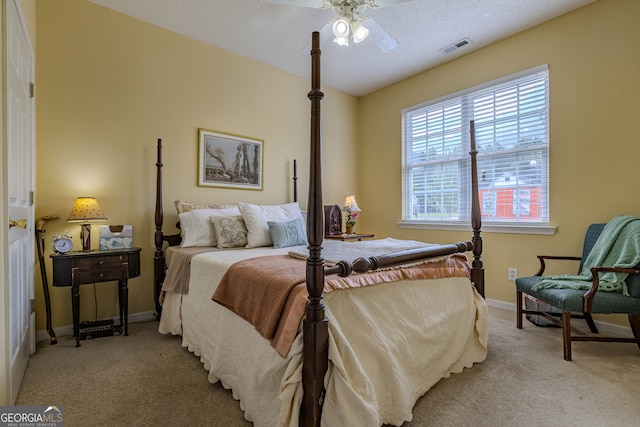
{"x": 512, "y": 137}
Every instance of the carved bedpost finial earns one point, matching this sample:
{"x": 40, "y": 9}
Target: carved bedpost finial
{"x": 158, "y": 256}
{"x": 315, "y": 324}
{"x": 477, "y": 272}
{"x": 295, "y": 180}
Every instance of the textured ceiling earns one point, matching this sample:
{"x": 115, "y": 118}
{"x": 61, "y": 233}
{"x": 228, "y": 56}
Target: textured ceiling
{"x": 277, "y": 34}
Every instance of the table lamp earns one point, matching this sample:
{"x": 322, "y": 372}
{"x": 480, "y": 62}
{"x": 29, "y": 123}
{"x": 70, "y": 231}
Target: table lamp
{"x": 352, "y": 209}
{"x": 84, "y": 210}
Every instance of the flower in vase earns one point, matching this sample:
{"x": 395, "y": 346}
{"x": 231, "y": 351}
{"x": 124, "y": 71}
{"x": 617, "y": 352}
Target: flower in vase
{"x": 351, "y": 219}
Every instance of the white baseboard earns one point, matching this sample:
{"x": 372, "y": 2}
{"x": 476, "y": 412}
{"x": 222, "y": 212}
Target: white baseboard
{"x": 61, "y": 331}
{"x": 604, "y": 327}
{"x": 509, "y": 306}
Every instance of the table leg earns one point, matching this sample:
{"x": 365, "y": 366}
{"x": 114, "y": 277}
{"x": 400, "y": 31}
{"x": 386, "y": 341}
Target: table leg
{"x": 75, "y": 304}
{"x": 123, "y": 296}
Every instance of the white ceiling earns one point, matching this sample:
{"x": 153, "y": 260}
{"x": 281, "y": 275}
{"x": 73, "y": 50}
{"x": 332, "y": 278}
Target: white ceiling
{"x": 277, "y": 34}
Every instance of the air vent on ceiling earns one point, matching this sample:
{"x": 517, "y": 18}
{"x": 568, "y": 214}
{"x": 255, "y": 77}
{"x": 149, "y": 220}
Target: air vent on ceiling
{"x": 457, "y": 45}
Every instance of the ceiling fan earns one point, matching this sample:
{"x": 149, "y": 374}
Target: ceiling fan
{"x": 350, "y": 24}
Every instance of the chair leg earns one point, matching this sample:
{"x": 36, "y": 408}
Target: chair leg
{"x": 519, "y": 309}
{"x": 634, "y": 321}
{"x": 590, "y": 322}
{"x": 566, "y": 334}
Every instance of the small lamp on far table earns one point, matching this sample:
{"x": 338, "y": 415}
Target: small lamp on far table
{"x": 84, "y": 210}
{"x": 352, "y": 209}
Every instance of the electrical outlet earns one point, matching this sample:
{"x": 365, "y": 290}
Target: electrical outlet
{"x": 512, "y": 273}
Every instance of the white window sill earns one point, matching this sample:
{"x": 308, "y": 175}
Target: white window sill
{"x": 548, "y": 230}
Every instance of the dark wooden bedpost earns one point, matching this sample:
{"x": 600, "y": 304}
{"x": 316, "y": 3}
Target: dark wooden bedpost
{"x": 295, "y": 180}
{"x": 477, "y": 269}
{"x": 315, "y": 324}
{"x": 158, "y": 257}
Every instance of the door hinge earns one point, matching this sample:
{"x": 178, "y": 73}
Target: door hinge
{"x": 30, "y": 198}
{"x": 32, "y": 304}
{"x": 32, "y": 90}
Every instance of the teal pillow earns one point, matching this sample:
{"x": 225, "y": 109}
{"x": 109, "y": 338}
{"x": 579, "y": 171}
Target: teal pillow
{"x": 289, "y": 233}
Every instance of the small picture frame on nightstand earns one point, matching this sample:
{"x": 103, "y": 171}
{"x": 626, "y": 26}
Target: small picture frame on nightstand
{"x": 116, "y": 237}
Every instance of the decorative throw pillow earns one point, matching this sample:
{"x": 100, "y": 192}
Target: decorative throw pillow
{"x": 182, "y": 207}
{"x": 256, "y": 217}
{"x": 230, "y": 231}
{"x": 285, "y": 234}
{"x": 196, "y": 227}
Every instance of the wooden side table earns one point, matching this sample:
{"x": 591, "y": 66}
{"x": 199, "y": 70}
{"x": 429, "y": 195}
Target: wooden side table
{"x": 86, "y": 267}
{"x": 347, "y": 237}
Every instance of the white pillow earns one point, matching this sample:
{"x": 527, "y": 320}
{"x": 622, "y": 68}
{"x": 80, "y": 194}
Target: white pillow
{"x": 256, "y": 217}
{"x": 182, "y": 206}
{"x": 196, "y": 226}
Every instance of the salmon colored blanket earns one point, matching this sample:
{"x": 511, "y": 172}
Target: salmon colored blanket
{"x": 270, "y": 292}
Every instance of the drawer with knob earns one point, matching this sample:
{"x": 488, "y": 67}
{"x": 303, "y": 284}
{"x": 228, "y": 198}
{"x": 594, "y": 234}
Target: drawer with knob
{"x": 98, "y": 262}
{"x": 93, "y": 275}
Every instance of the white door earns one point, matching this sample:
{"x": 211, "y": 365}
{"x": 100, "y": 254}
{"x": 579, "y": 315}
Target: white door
{"x": 19, "y": 139}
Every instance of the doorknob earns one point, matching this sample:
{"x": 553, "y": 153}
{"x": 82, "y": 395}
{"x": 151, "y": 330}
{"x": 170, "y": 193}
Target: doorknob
{"x": 22, "y": 223}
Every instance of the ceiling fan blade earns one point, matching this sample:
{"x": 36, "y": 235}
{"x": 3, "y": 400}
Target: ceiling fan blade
{"x": 379, "y": 36}
{"x": 385, "y": 3}
{"x": 325, "y": 34}
{"x": 316, "y": 4}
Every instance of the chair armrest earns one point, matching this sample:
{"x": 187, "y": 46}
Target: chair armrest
{"x": 541, "y": 258}
{"x": 587, "y": 298}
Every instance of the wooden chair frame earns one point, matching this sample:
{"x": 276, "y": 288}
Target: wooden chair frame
{"x": 570, "y": 335}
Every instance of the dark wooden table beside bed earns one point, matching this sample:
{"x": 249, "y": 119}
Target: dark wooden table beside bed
{"x": 338, "y": 336}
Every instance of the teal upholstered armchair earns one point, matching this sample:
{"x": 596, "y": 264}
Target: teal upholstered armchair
{"x": 605, "y": 283}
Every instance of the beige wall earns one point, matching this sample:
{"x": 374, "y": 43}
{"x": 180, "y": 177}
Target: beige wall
{"x": 29, "y": 13}
{"x": 594, "y": 88}
{"x": 109, "y": 86}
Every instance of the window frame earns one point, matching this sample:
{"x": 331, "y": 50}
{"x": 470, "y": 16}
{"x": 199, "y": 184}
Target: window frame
{"x": 465, "y": 115}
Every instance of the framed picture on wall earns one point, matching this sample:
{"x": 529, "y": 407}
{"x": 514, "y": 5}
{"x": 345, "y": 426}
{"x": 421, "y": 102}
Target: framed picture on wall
{"x": 230, "y": 161}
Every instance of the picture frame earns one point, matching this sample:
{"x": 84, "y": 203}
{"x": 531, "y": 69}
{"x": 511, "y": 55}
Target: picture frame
{"x": 229, "y": 161}
{"x": 116, "y": 237}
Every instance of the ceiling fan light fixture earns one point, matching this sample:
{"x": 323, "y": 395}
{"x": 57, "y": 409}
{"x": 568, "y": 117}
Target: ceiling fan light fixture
{"x": 342, "y": 41}
{"x": 341, "y": 28}
{"x": 359, "y": 31}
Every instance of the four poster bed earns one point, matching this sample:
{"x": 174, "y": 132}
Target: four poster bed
{"x": 343, "y": 342}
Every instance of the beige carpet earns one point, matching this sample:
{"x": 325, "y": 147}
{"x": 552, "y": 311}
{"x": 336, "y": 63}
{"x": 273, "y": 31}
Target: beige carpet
{"x": 149, "y": 379}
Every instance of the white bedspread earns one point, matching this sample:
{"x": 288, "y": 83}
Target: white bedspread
{"x": 376, "y": 373}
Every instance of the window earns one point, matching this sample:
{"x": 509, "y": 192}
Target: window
{"x": 512, "y": 138}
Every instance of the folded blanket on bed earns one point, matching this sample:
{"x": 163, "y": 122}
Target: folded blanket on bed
{"x": 270, "y": 291}
{"x": 617, "y": 246}
{"x": 179, "y": 271}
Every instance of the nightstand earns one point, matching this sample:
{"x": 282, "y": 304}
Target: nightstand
{"x": 86, "y": 267}
{"x": 346, "y": 237}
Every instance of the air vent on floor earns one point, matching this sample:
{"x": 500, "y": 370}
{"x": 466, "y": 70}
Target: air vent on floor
{"x": 457, "y": 45}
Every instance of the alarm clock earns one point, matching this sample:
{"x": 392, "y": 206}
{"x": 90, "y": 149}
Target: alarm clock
{"x": 62, "y": 243}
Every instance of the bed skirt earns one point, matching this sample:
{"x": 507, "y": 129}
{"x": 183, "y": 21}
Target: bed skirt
{"x": 375, "y": 374}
